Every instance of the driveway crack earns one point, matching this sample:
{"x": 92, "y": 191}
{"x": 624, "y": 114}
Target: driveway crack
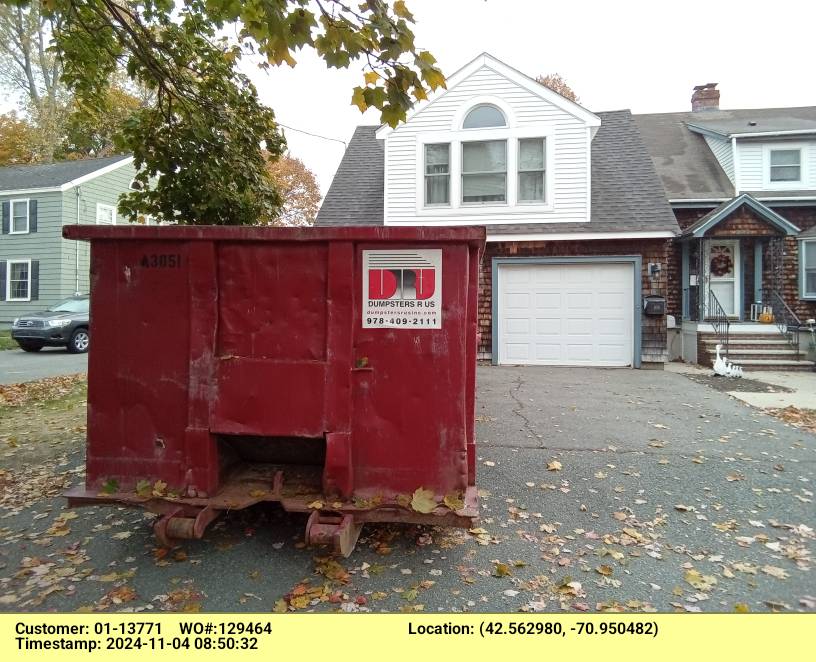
{"x": 518, "y": 410}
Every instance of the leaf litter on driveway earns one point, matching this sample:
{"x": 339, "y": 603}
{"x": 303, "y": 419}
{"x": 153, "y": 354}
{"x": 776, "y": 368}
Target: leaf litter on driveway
{"x": 595, "y": 520}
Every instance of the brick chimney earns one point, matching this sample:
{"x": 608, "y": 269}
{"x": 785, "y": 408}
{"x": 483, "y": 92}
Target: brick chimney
{"x": 705, "y": 97}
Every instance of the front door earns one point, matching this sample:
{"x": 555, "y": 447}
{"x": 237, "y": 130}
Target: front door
{"x": 723, "y": 274}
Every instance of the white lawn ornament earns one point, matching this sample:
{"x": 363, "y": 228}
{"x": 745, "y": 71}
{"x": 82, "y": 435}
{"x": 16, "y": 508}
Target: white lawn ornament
{"x": 720, "y": 367}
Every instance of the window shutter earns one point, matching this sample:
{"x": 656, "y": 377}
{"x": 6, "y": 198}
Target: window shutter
{"x": 2, "y": 280}
{"x": 6, "y": 216}
{"x": 35, "y": 280}
{"x": 32, "y": 215}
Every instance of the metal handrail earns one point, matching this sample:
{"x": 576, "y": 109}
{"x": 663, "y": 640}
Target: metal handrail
{"x": 719, "y": 320}
{"x": 785, "y": 319}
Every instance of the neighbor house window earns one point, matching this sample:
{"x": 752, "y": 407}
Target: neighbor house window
{"x": 105, "y": 214}
{"x": 484, "y": 116}
{"x": 807, "y": 267}
{"x": 531, "y": 170}
{"x": 786, "y": 165}
{"x": 19, "y": 216}
{"x": 437, "y": 174}
{"x": 18, "y": 284}
{"x": 484, "y": 171}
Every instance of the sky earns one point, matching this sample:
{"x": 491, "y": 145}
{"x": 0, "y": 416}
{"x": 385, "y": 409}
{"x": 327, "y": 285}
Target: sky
{"x": 645, "y": 56}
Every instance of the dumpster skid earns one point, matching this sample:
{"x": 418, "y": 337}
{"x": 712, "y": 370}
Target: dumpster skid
{"x": 331, "y": 370}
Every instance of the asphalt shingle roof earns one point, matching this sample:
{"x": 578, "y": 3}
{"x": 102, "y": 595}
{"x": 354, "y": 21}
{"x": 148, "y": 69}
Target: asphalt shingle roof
{"x": 627, "y": 195}
{"x": 687, "y": 166}
{"x": 48, "y": 175}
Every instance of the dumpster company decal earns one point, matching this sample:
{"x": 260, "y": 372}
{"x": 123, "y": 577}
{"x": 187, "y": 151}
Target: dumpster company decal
{"x": 402, "y": 289}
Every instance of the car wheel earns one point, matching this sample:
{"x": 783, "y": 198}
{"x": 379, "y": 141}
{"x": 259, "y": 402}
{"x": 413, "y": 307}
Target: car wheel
{"x": 29, "y": 346}
{"x": 80, "y": 341}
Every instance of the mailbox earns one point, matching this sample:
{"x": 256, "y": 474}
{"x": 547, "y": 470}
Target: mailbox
{"x": 654, "y": 305}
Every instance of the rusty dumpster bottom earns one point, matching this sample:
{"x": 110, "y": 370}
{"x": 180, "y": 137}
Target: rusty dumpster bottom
{"x": 297, "y": 488}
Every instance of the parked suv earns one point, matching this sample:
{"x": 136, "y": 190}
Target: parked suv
{"x": 65, "y": 325}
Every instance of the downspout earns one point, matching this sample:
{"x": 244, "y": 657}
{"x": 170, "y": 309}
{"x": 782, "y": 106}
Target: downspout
{"x": 736, "y": 164}
{"x": 76, "y": 245}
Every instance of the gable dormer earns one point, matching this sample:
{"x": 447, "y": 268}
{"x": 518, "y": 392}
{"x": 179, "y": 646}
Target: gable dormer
{"x": 495, "y": 147}
{"x": 768, "y": 150}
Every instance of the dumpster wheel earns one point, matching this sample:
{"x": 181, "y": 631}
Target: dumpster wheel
{"x": 172, "y": 527}
{"x": 335, "y": 529}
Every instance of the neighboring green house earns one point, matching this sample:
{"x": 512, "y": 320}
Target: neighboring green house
{"x": 37, "y": 266}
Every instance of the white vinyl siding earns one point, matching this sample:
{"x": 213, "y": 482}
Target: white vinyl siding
{"x": 531, "y": 116}
{"x": 754, "y": 165}
{"x": 725, "y": 154}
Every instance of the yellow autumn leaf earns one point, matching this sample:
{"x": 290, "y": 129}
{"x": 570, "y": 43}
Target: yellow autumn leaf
{"x": 257, "y": 494}
{"x": 741, "y": 608}
{"x": 555, "y": 465}
{"x": 159, "y": 487}
{"x": 280, "y": 607}
{"x": 423, "y": 501}
{"x": 371, "y": 77}
{"x": 316, "y": 505}
{"x": 502, "y": 570}
{"x": 144, "y": 488}
{"x": 454, "y": 501}
{"x": 357, "y": 99}
{"x": 605, "y": 570}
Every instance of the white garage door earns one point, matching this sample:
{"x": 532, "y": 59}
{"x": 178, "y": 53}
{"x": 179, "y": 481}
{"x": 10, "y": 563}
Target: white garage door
{"x": 565, "y": 314}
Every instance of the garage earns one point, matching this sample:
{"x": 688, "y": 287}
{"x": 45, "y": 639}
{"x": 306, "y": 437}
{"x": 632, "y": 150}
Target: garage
{"x": 578, "y": 313}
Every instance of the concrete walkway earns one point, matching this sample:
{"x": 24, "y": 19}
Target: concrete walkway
{"x": 803, "y": 385}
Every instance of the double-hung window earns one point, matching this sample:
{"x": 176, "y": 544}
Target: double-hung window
{"x": 19, "y": 217}
{"x": 807, "y": 269}
{"x": 18, "y": 284}
{"x": 785, "y": 165}
{"x": 437, "y": 174}
{"x": 531, "y": 170}
{"x": 484, "y": 171}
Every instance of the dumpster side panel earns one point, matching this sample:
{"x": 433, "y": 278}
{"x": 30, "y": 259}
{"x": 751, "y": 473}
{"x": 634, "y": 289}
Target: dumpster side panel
{"x": 410, "y": 405}
{"x": 138, "y": 368}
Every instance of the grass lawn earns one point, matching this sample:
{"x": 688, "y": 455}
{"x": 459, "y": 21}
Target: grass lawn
{"x": 5, "y": 340}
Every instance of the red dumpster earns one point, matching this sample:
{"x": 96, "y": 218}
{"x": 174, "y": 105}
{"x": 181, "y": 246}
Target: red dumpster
{"x": 330, "y": 370}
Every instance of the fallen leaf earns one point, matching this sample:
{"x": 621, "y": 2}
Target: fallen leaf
{"x": 555, "y": 465}
{"x": 423, "y": 501}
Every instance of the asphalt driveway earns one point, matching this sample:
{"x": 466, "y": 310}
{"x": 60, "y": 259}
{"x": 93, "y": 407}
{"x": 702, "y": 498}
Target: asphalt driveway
{"x": 19, "y": 366}
{"x": 602, "y": 490}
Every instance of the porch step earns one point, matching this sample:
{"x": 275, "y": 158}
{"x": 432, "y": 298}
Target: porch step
{"x": 773, "y": 364}
{"x": 742, "y": 343}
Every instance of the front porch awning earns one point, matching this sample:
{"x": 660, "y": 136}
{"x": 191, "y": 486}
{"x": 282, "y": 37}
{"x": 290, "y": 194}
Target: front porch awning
{"x": 715, "y": 216}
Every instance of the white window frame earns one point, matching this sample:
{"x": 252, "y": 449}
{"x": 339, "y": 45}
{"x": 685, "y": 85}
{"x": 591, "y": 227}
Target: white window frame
{"x": 462, "y": 173}
{"x": 804, "y": 174}
{"x": 11, "y": 216}
{"x": 425, "y": 175}
{"x": 8, "y": 280}
{"x": 803, "y": 247}
{"x": 519, "y": 171}
{"x": 107, "y": 208}
{"x": 511, "y": 134}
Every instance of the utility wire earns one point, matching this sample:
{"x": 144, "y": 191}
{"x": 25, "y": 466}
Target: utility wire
{"x": 314, "y": 135}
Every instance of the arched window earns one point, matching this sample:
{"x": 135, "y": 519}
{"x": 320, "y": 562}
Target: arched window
{"x": 484, "y": 116}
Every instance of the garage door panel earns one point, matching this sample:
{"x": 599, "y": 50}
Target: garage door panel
{"x": 579, "y": 327}
{"x": 517, "y": 351}
{"x": 580, "y": 300}
{"x": 547, "y": 300}
{"x": 565, "y": 314}
{"x": 518, "y": 300}
{"x": 550, "y": 326}
{"x": 517, "y": 325}
{"x": 547, "y": 351}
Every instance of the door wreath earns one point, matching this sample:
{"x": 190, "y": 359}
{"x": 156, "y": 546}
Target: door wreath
{"x": 721, "y": 263}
